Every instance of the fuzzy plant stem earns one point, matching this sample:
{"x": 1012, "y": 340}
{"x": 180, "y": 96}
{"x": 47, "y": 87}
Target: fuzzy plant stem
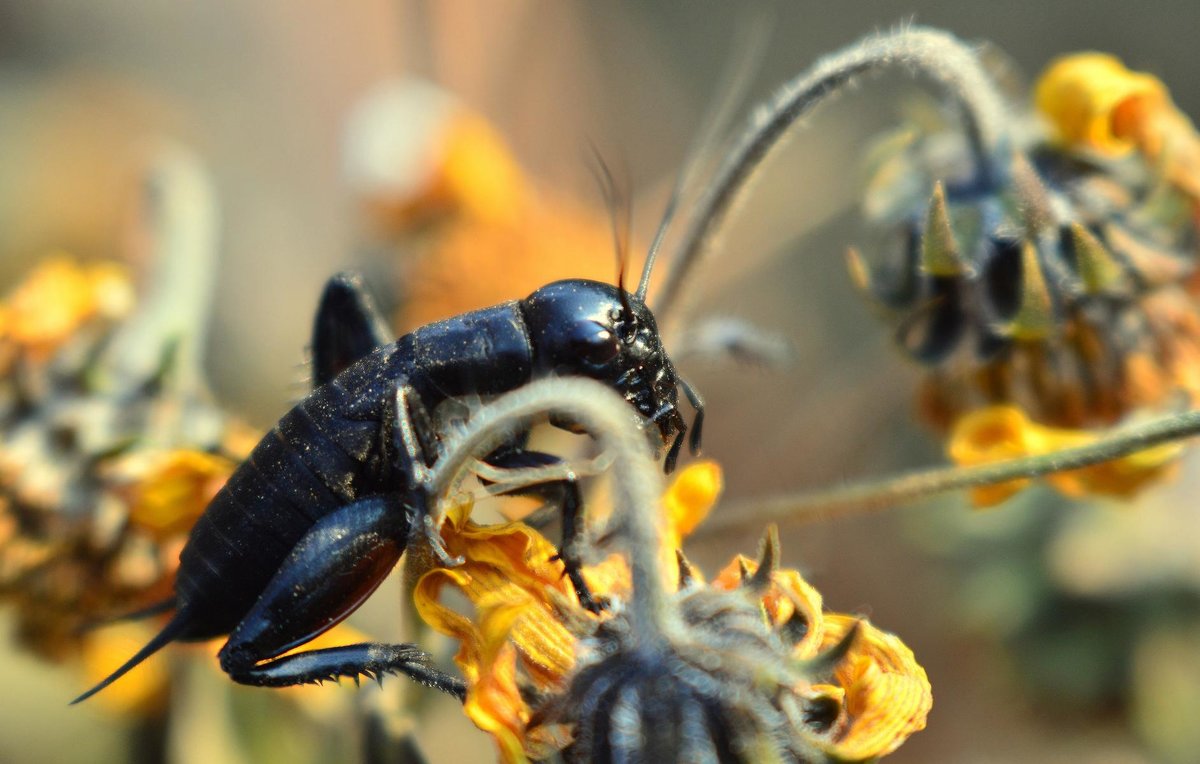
{"x": 887, "y": 493}
{"x": 178, "y": 226}
{"x": 952, "y": 65}
{"x": 637, "y": 481}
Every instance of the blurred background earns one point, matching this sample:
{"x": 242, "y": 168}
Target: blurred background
{"x": 1051, "y": 632}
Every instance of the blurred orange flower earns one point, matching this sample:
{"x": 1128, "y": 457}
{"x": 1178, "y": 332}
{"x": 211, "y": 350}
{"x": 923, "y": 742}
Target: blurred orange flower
{"x": 440, "y": 184}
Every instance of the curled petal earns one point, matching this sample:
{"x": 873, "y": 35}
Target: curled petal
{"x": 506, "y": 566}
{"x": 1094, "y": 101}
{"x": 494, "y": 700}
{"x": 887, "y": 693}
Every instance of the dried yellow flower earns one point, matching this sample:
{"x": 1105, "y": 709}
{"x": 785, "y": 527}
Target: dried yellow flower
{"x": 101, "y": 479}
{"x": 528, "y": 634}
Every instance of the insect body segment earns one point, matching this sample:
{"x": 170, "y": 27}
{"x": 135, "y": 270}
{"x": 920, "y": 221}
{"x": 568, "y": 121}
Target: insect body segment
{"x": 306, "y": 529}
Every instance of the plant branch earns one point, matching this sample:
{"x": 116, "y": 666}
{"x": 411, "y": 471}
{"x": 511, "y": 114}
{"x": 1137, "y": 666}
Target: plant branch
{"x": 888, "y": 493}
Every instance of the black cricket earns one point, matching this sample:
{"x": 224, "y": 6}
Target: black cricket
{"x": 313, "y": 521}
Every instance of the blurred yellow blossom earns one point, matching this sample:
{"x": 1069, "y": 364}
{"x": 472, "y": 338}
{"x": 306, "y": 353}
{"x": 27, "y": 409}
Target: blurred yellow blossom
{"x": 996, "y": 433}
{"x": 1095, "y": 102}
{"x": 169, "y": 490}
{"x": 441, "y": 186}
{"x": 59, "y": 297}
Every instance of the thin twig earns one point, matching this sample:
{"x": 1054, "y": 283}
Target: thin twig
{"x": 891, "y": 492}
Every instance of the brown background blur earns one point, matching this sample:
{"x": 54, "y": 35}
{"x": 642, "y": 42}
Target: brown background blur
{"x": 261, "y": 90}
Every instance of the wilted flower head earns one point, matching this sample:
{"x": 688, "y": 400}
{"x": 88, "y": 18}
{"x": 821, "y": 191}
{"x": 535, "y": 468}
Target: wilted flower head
{"x": 756, "y": 671}
{"x": 745, "y": 668}
{"x": 1056, "y": 277}
{"x": 108, "y": 448}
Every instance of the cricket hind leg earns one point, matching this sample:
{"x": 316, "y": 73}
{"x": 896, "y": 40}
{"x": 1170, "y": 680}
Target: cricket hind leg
{"x": 340, "y": 561}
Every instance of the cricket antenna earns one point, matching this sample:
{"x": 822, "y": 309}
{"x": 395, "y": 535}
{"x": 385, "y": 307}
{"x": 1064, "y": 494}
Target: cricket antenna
{"x": 620, "y": 214}
{"x": 746, "y": 55}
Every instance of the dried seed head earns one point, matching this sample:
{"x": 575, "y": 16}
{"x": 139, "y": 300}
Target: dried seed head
{"x": 1062, "y": 285}
{"x": 109, "y": 445}
{"x": 96, "y": 492}
{"x": 725, "y": 690}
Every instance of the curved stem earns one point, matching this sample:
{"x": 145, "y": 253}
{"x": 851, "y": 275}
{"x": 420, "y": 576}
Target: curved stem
{"x": 949, "y": 62}
{"x": 176, "y": 243}
{"x": 637, "y": 481}
{"x": 887, "y": 493}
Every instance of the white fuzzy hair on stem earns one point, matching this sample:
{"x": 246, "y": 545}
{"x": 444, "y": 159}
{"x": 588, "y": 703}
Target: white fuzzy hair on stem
{"x": 950, "y": 63}
{"x": 637, "y": 479}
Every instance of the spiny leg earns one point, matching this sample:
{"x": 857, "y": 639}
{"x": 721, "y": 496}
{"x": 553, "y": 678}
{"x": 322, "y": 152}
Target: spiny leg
{"x": 340, "y": 561}
{"x": 565, "y": 493}
{"x": 347, "y": 327}
{"x": 697, "y": 404}
{"x": 414, "y": 443}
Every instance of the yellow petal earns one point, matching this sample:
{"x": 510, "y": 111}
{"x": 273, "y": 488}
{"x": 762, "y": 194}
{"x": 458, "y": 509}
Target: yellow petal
{"x": 494, "y": 700}
{"x": 58, "y": 297}
{"x": 997, "y": 433}
{"x": 887, "y": 693}
{"x": 506, "y": 565}
{"x": 690, "y": 497}
{"x": 172, "y": 488}
{"x": 1094, "y": 101}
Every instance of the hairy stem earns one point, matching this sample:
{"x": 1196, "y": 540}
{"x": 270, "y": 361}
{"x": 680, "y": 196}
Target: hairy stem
{"x": 176, "y": 244}
{"x": 637, "y": 481}
{"x": 887, "y": 493}
{"x": 949, "y": 62}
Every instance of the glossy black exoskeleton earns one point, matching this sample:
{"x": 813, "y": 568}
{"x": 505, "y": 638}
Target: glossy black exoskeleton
{"x": 320, "y": 512}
